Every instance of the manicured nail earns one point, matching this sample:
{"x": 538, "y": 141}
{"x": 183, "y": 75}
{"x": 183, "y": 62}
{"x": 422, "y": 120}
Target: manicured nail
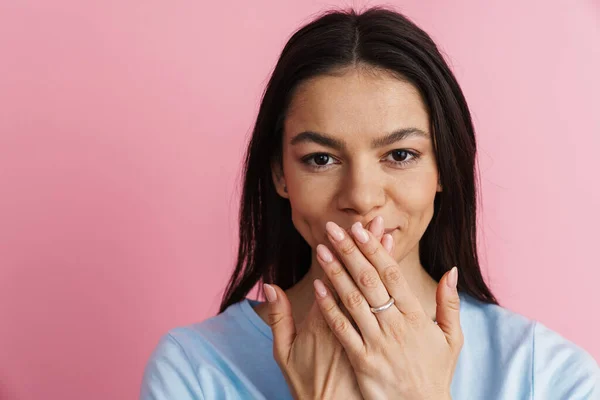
{"x": 388, "y": 242}
{"x": 324, "y": 253}
{"x": 320, "y": 288}
{"x": 360, "y": 233}
{"x": 452, "y": 278}
{"x": 270, "y": 293}
{"x": 335, "y": 231}
{"x": 376, "y": 227}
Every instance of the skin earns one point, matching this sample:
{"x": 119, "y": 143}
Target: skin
{"x": 346, "y": 166}
{"x": 313, "y": 361}
{"x": 360, "y": 182}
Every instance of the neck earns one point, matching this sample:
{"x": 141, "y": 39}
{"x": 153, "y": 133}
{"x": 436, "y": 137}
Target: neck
{"x": 423, "y": 286}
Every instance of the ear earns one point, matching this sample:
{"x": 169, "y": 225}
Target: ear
{"x": 279, "y": 179}
{"x": 439, "y": 185}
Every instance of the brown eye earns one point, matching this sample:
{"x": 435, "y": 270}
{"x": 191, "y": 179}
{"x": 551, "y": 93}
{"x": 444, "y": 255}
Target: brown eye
{"x": 400, "y": 155}
{"x": 321, "y": 159}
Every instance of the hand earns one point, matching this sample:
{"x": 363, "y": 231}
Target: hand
{"x": 399, "y": 352}
{"x": 312, "y": 360}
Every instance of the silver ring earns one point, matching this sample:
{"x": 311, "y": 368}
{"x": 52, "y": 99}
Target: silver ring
{"x": 384, "y": 307}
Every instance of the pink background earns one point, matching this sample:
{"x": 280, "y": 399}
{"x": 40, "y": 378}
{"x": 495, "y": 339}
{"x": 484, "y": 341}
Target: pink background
{"x": 122, "y": 125}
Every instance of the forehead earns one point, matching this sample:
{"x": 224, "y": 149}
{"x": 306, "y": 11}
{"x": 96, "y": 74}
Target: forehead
{"x": 358, "y": 102}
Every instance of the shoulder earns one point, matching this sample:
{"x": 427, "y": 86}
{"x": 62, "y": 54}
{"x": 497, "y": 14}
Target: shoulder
{"x": 175, "y": 365}
{"x": 209, "y": 359}
{"x": 492, "y": 323}
{"x": 169, "y": 373}
{"x": 562, "y": 369}
{"x": 217, "y": 334}
{"x": 508, "y": 342}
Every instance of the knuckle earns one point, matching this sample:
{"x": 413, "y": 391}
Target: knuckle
{"x": 354, "y": 299}
{"x": 371, "y": 249}
{"x": 337, "y": 270}
{"x": 454, "y": 303}
{"x": 392, "y": 275}
{"x": 339, "y": 325}
{"x": 347, "y": 247}
{"x": 413, "y": 318}
{"x": 329, "y": 307}
{"x": 274, "y": 319}
{"x": 368, "y": 278}
{"x": 396, "y": 329}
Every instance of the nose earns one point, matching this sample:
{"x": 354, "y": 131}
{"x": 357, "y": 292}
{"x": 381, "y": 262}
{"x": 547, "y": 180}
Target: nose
{"x": 362, "y": 190}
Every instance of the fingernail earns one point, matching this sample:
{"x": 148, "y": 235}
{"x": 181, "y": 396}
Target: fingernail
{"x": 452, "y": 278}
{"x": 324, "y": 253}
{"x": 334, "y": 230}
{"x": 270, "y": 293}
{"x": 360, "y": 233}
{"x": 377, "y": 226}
{"x": 320, "y": 288}
{"x": 388, "y": 242}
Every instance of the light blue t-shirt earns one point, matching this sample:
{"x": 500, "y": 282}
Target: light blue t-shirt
{"x": 505, "y": 356}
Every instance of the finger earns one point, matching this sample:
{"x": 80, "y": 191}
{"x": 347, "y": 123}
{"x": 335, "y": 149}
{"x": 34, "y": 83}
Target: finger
{"x": 281, "y": 321}
{"x": 388, "y": 269}
{"x": 336, "y": 297}
{"x": 362, "y": 272}
{"x": 339, "y": 324}
{"x": 352, "y": 297}
{"x": 376, "y": 227}
{"x": 448, "y": 309}
{"x": 388, "y": 243}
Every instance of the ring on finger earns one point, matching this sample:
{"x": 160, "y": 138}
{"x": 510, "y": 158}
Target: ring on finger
{"x": 384, "y": 307}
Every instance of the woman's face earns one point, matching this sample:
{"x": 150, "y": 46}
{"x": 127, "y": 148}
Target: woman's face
{"x": 356, "y": 146}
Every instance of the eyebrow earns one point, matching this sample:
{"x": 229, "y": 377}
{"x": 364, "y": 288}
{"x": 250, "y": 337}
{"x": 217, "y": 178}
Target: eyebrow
{"x": 328, "y": 141}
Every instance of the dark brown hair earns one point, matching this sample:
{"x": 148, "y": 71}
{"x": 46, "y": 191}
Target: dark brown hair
{"x": 270, "y": 248}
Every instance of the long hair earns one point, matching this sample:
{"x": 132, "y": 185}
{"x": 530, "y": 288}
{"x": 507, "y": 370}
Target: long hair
{"x": 270, "y": 248}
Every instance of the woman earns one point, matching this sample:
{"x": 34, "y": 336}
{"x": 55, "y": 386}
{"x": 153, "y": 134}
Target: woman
{"x": 359, "y": 198}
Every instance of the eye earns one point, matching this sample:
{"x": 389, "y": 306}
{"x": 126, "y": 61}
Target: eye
{"x": 321, "y": 159}
{"x": 318, "y": 160}
{"x": 401, "y": 157}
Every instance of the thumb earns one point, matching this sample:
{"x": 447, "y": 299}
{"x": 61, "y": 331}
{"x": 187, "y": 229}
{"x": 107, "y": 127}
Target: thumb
{"x": 281, "y": 321}
{"x": 448, "y": 309}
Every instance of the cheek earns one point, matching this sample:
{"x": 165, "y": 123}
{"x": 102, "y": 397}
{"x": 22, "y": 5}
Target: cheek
{"x": 310, "y": 201}
{"x": 308, "y": 220}
{"x": 417, "y": 205}
{"x": 415, "y": 199}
